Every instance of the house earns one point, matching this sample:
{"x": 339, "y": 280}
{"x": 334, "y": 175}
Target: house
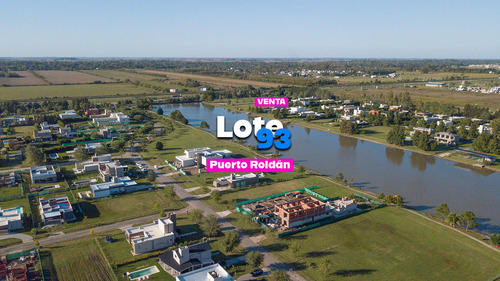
{"x": 46, "y": 126}
{"x": 56, "y": 210}
{"x": 186, "y": 258}
{"x": 42, "y": 135}
{"x": 219, "y": 154}
{"x": 447, "y": 138}
{"x": 374, "y": 112}
{"x": 429, "y": 131}
{"x": 369, "y": 103}
{"x": 15, "y": 143}
{"x": 91, "y": 147}
{"x": 68, "y": 114}
{"x": 92, "y": 165}
{"x": 13, "y": 157}
{"x": 214, "y": 272}
{"x": 435, "y": 84}
{"x": 174, "y": 91}
{"x": 348, "y": 109}
{"x": 91, "y": 111}
{"x": 17, "y": 120}
{"x": 11, "y": 219}
{"x": 342, "y": 206}
{"x": 112, "y": 169}
{"x": 347, "y": 117}
{"x": 446, "y": 123}
{"x": 115, "y": 186}
{"x": 117, "y": 118}
{"x": 301, "y": 211}
{"x": 8, "y": 179}
{"x": 296, "y": 109}
{"x": 189, "y": 157}
{"x": 395, "y": 107}
{"x": 151, "y": 237}
{"x": 234, "y": 180}
{"x": 203, "y": 89}
{"x": 358, "y": 112}
{"x": 68, "y": 132}
{"x": 43, "y": 174}
{"x": 484, "y": 129}
{"x": 383, "y": 106}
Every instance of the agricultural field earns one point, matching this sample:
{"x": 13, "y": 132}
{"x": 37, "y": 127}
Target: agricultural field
{"x": 70, "y": 77}
{"x": 62, "y": 91}
{"x": 146, "y": 80}
{"x": 386, "y": 244}
{"x": 215, "y": 81}
{"x": 27, "y": 79}
{"x": 61, "y": 263}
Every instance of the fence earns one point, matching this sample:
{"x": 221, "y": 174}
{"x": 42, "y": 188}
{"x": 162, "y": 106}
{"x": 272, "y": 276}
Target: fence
{"x": 273, "y": 196}
{"x": 15, "y": 256}
{"x": 85, "y": 142}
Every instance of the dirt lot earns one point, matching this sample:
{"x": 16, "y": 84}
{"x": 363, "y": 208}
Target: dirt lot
{"x": 70, "y": 77}
{"x": 219, "y": 81}
{"x": 26, "y": 79}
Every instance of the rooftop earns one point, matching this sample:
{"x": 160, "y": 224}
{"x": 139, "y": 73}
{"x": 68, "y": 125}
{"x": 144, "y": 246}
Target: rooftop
{"x": 214, "y": 270}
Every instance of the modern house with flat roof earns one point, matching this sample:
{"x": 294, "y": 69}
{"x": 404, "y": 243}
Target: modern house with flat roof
{"x": 186, "y": 258}
{"x": 42, "y": 135}
{"x": 11, "y": 219}
{"x": 42, "y": 174}
{"x": 302, "y": 211}
{"x": 109, "y": 170}
{"x": 189, "y": 157}
{"x": 117, "y": 185}
{"x": 447, "y": 138}
{"x": 46, "y": 126}
{"x": 236, "y": 180}
{"x": 155, "y": 236}
{"x": 435, "y": 84}
{"x": 56, "y": 210}
{"x": 68, "y": 132}
{"x": 218, "y": 154}
{"x": 213, "y": 272}
{"x": 429, "y": 131}
{"x": 117, "y": 118}
{"x": 68, "y": 114}
{"x": 342, "y": 206}
{"x": 92, "y": 165}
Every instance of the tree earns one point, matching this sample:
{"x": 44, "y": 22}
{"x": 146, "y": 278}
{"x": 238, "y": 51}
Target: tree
{"x": 215, "y": 195}
{"x": 163, "y": 214}
{"x": 210, "y": 226}
{"x": 300, "y": 169}
{"x": 295, "y": 247}
{"x": 340, "y": 177}
{"x": 442, "y": 211}
{"x": 159, "y": 145}
{"x": 468, "y": 219}
{"x": 348, "y": 127}
{"x": 230, "y": 240}
{"x": 81, "y": 154}
{"x": 452, "y": 219}
{"x": 204, "y": 125}
{"x": 396, "y": 136}
{"x": 255, "y": 259}
{"x": 495, "y": 239}
{"x": 159, "y": 111}
{"x": 102, "y": 149}
{"x": 324, "y": 266}
{"x": 279, "y": 275}
{"x": 157, "y": 206}
{"x": 34, "y": 155}
{"x": 398, "y": 200}
{"x": 196, "y": 216}
{"x": 169, "y": 191}
{"x": 151, "y": 176}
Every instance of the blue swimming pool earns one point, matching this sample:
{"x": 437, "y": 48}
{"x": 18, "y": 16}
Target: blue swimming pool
{"x": 143, "y": 272}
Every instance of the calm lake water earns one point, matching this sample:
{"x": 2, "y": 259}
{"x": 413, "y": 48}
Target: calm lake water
{"x": 424, "y": 181}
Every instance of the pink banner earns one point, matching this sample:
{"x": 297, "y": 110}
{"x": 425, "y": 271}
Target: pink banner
{"x": 271, "y": 101}
{"x": 249, "y": 165}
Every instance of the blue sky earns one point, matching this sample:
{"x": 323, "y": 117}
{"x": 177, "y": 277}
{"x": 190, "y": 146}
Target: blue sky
{"x": 250, "y": 29}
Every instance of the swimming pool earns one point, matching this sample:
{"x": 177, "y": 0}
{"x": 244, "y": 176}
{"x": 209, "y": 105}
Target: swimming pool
{"x": 143, "y": 272}
{"x": 53, "y": 155}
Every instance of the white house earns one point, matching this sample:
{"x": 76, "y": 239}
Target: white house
{"x": 213, "y": 272}
{"x": 297, "y": 109}
{"x": 42, "y": 174}
{"x": 11, "y": 219}
{"x": 154, "y": 236}
{"x": 68, "y": 114}
{"x": 117, "y": 185}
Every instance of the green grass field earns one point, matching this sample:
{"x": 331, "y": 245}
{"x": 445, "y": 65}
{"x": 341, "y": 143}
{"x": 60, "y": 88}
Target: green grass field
{"x": 78, "y": 261}
{"x": 387, "y": 244}
{"x": 60, "y": 91}
{"x": 9, "y": 242}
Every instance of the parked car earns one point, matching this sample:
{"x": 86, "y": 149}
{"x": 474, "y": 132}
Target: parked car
{"x": 256, "y": 272}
